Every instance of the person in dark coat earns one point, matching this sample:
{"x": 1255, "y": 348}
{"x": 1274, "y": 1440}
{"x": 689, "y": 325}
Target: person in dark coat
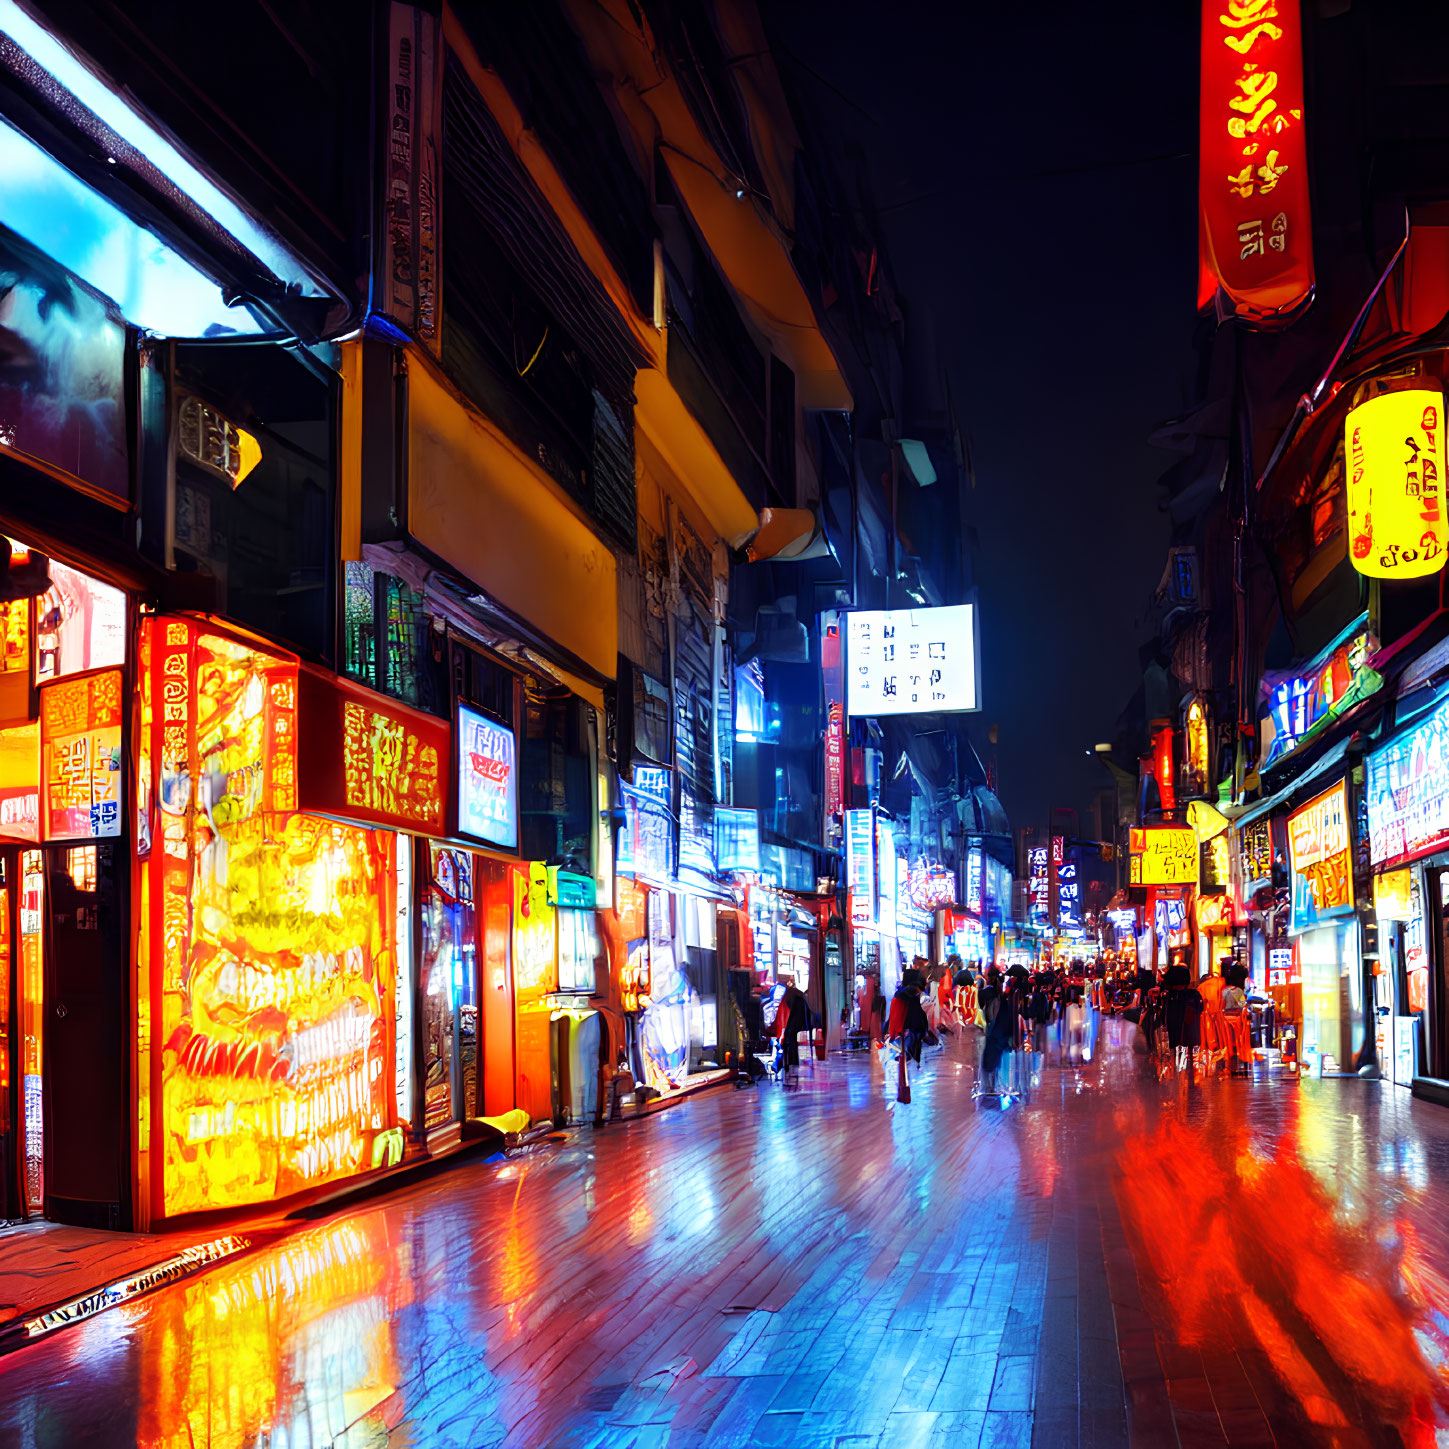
{"x": 1003, "y": 1025}
{"x": 791, "y": 1018}
{"x": 908, "y": 1022}
{"x": 1183, "y": 1013}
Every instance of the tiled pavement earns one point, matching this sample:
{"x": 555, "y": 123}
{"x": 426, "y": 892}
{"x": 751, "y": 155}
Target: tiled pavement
{"x": 1113, "y": 1260}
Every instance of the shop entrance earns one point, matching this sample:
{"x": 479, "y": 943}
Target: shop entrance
{"x": 448, "y": 984}
{"x": 62, "y": 1072}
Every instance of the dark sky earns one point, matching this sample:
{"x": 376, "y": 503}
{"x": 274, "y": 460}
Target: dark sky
{"x": 1010, "y": 150}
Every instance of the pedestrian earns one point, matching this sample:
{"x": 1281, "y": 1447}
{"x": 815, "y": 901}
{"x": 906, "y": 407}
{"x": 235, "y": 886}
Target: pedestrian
{"x": 1236, "y": 1023}
{"x": 792, "y": 1016}
{"x": 1183, "y": 1014}
{"x": 908, "y": 1024}
{"x": 1213, "y": 1027}
{"x": 1001, "y": 1006}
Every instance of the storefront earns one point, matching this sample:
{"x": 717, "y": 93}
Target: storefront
{"x": 1325, "y": 930}
{"x": 65, "y": 659}
{"x": 1407, "y": 787}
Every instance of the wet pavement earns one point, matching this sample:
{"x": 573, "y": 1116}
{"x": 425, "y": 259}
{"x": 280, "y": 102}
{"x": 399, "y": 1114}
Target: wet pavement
{"x": 1110, "y": 1260}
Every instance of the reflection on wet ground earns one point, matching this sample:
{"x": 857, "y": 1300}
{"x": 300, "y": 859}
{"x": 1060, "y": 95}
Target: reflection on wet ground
{"x": 1232, "y": 1263}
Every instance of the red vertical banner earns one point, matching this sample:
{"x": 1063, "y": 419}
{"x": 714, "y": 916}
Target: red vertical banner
{"x": 1163, "y": 767}
{"x": 834, "y": 766}
{"x": 1255, "y": 228}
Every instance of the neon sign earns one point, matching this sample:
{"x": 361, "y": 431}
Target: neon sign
{"x": 1321, "y": 857}
{"x": 487, "y": 780}
{"x": 80, "y": 747}
{"x": 1394, "y": 444}
{"x": 1301, "y": 706}
{"x": 1256, "y": 234}
{"x": 1164, "y": 855}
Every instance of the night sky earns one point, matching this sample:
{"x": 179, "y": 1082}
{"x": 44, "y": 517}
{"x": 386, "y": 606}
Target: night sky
{"x": 1034, "y": 168}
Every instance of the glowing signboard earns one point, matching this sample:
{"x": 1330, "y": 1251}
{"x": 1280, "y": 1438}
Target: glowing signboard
{"x": 20, "y": 782}
{"x": 1407, "y": 783}
{"x": 1164, "y": 855}
{"x": 1255, "y": 851}
{"x": 369, "y": 759}
{"x": 80, "y": 750}
{"x": 1394, "y": 445}
{"x": 275, "y": 942}
{"x": 487, "y": 780}
{"x": 860, "y": 864}
{"x": 834, "y": 762}
{"x": 1300, "y": 706}
{"x": 646, "y": 839}
{"x": 974, "y": 883}
{"x": 911, "y": 661}
{"x": 535, "y": 931}
{"x": 737, "y": 839}
{"x": 1040, "y": 892}
{"x": 1321, "y": 859}
{"x": 1255, "y": 230}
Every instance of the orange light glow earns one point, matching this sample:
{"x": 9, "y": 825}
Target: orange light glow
{"x": 278, "y": 944}
{"x": 80, "y": 745}
{"x": 1209, "y": 1208}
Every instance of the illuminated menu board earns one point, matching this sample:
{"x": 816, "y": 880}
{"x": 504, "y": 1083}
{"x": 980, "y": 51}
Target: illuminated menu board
{"x": 276, "y": 942}
{"x": 368, "y": 758}
{"x": 487, "y": 780}
{"x": 80, "y": 747}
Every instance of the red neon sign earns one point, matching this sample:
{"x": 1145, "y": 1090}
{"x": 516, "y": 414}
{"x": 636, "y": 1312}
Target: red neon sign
{"x": 1255, "y": 230}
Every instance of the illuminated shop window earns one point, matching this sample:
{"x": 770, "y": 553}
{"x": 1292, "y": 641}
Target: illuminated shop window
{"x": 359, "y": 622}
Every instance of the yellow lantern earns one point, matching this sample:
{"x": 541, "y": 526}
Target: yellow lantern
{"x": 1394, "y": 452}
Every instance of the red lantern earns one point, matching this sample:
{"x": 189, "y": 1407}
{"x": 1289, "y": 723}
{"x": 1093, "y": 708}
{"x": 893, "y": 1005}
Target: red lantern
{"x": 1255, "y": 231}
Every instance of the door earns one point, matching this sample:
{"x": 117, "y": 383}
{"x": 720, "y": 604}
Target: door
{"x": 447, "y": 981}
{"x": 86, "y": 1146}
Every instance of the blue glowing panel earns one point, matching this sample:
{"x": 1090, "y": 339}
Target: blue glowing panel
{"x": 62, "y": 373}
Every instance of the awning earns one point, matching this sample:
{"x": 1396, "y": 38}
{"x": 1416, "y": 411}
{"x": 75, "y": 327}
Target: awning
{"x": 1260, "y": 808}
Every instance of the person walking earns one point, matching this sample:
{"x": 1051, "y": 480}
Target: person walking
{"x": 791, "y": 1018}
{"x": 1213, "y": 1027}
{"x": 908, "y": 1022}
{"x": 1183, "y": 1013}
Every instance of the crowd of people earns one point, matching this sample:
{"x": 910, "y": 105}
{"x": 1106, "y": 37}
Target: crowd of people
{"x": 1181, "y": 1023}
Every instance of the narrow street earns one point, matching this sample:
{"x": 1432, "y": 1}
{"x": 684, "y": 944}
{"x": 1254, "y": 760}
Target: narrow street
{"x": 817, "y": 1266}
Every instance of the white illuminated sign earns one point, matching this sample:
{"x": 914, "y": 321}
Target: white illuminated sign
{"x": 911, "y": 661}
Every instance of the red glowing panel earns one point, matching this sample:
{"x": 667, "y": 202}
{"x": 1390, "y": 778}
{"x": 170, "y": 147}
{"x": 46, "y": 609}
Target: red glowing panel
{"x": 1255, "y": 229}
{"x": 277, "y": 935}
{"x": 1162, "y": 767}
{"x": 368, "y": 758}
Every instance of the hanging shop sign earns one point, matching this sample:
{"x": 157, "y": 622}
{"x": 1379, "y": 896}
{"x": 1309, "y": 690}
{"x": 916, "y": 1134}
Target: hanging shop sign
{"x": 1321, "y": 859}
{"x": 1164, "y": 855}
{"x": 1394, "y": 446}
{"x": 407, "y": 237}
{"x": 1407, "y": 784}
{"x": 737, "y": 839}
{"x": 1196, "y": 738}
{"x": 80, "y": 756}
{"x": 368, "y": 758}
{"x": 834, "y": 763}
{"x": 1069, "y": 891}
{"x": 1301, "y": 706}
{"x": 646, "y": 838}
{"x": 1255, "y": 849}
{"x": 1255, "y": 231}
{"x": 974, "y": 879}
{"x": 911, "y": 661}
{"x": 860, "y": 864}
{"x": 1040, "y": 883}
{"x": 1164, "y": 770}
{"x": 487, "y": 780}
{"x": 275, "y": 942}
